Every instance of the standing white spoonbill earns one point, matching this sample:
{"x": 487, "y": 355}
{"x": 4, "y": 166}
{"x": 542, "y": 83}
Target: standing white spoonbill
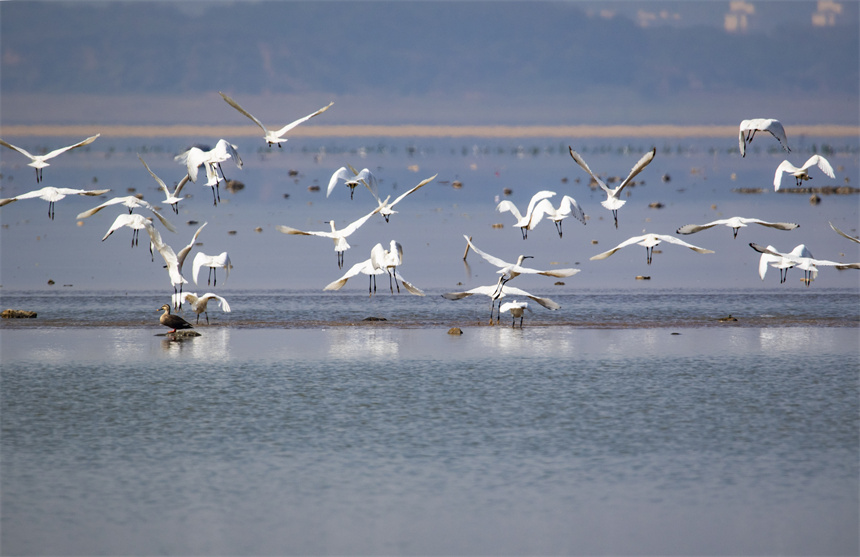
{"x": 273, "y": 136}
{"x": 748, "y": 129}
{"x": 567, "y": 208}
{"x": 200, "y": 303}
{"x": 352, "y": 179}
{"x": 649, "y": 241}
{"x": 613, "y": 202}
{"x": 388, "y": 260}
{"x": 735, "y": 223}
{"x": 517, "y": 309}
{"x": 171, "y": 198}
{"x": 366, "y": 267}
{"x": 52, "y": 195}
{"x": 214, "y": 262}
{"x": 338, "y": 236}
{"x": 802, "y": 173}
{"x": 532, "y": 217}
{"x": 39, "y": 161}
{"x": 497, "y": 292}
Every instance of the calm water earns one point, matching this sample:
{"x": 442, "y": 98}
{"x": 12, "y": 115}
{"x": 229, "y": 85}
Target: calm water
{"x": 284, "y": 429}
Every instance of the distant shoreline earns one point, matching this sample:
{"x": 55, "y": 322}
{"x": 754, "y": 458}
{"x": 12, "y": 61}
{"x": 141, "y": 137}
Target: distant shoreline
{"x": 438, "y": 131}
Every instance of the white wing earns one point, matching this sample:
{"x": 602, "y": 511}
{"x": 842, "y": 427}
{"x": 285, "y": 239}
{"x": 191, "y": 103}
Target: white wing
{"x": 235, "y": 105}
{"x": 61, "y": 150}
{"x": 679, "y": 242}
{"x": 844, "y": 235}
{"x": 292, "y": 125}
{"x": 623, "y": 244}
{"x": 822, "y": 163}
{"x": 643, "y": 162}
{"x": 578, "y": 159}
{"x": 421, "y": 184}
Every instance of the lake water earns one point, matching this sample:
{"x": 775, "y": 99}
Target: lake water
{"x": 630, "y": 421}
{"x": 623, "y": 423}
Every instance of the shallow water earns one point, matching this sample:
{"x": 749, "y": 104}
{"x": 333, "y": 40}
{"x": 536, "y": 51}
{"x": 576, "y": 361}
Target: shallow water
{"x": 345, "y": 437}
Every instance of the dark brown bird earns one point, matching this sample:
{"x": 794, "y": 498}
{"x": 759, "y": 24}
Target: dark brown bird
{"x": 169, "y": 320}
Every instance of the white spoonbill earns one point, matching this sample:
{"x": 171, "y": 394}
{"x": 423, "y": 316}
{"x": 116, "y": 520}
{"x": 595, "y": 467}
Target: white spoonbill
{"x": 200, "y": 303}
{"x": 39, "y": 161}
{"x": 171, "y": 198}
{"x": 339, "y": 236}
{"x": 517, "y": 309}
{"x": 799, "y": 257}
{"x": 366, "y": 268}
{"x": 613, "y": 202}
{"x": 532, "y": 217}
{"x": 194, "y": 157}
{"x": 273, "y": 136}
{"x": 388, "y": 260}
{"x": 135, "y": 222}
{"x": 52, "y": 195}
{"x": 748, "y": 128}
{"x": 802, "y": 173}
{"x": 214, "y": 262}
{"x": 173, "y": 261}
{"x": 386, "y": 209}
{"x": 844, "y": 235}
{"x": 649, "y": 241}
{"x": 567, "y": 208}
{"x": 509, "y": 271}
{"x": 352, "y": 179}
{"x": 497, "y": 292}
{"x": 735, "y": 223}
{"x": 131, "y": 202}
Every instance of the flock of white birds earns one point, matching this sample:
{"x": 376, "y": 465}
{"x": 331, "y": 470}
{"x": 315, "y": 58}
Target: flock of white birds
{"x": 387, "y": 261}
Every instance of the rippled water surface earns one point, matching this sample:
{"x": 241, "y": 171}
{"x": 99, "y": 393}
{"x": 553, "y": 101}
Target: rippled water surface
{"x": 291, "y": 426}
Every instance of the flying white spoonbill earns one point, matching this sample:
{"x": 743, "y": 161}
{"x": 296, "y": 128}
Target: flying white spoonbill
{"x": 735, "y": 223}
{"x": 171, "y": 198}
{"x": 338, "y": 236}
{"x": 649, "y": 241}
{"x": 214, "y": 262}
{"x": 194, "y": 157}
{"x": 135, "y": 222}
{"x": 802, "y": 173}
{"x": 567, "y": 208}
{"x": 39, "y": 161}
{"x": 509, "y": 271}
{"x": 386, "y": 209}
{"x": 844, "y": 235}
{"x": 799, "y": 257}
{"x": 173, "y": 261}
{"x": 52, "y": 195}
{"x": 532, "y": 217}
{"x": 273, "y": 136}
{"x": 352, "y": 179}
{"x": 613, "y": 202}
{"x": 131, "y": 202}
{"x": 748, "y": 128}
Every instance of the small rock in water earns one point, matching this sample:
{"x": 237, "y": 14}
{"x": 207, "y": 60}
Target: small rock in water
{"x": 374, "y": 319}
{"x": 727, "y": 319}
{"x": 185, "y": 333}
{"x": 642, "y": 277}
{"x": 455, "y": 331}
{"x": 17, "y": 314}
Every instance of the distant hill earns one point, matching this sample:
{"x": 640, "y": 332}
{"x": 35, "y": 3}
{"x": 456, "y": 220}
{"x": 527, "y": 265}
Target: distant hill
{"x": 407, "y": 49}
